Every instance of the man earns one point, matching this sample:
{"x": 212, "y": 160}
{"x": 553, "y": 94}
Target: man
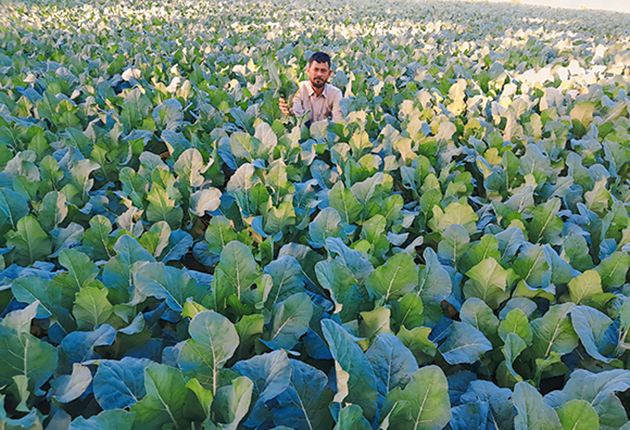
{"x": 319, "y": 99}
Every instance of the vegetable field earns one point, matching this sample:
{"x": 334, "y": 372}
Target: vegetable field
{"x": 178, "y": 254}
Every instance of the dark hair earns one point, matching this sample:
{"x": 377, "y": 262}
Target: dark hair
{"x": 320, "y": 57}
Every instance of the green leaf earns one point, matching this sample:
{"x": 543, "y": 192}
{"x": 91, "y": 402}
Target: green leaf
{"x": 325, "y": 225}
{"x": 306, "y": 403}
{"x": 162, "y": 208}
{"x": 345, "y": 203}
{"x": 613, "y": 270}
{"x": 454, "y": 244}
{"x": 553, "y": 331}
{"x": 373, "y": 323}
{"x": 598, "y": 389}
{"x": 219, "y": 233}
{"x": 407, "y": 312}
{"x": 249, "y": 329}
{"x": 464, "y": 344}
{"x": 118, "y": 273}
{"x": 531, "y": 266}
{"x": 21, "y": 353}
{"x": 590, "y": 325}
{"x": 54, "y": 210}
{"x": 92, "y": 308}
{"x": 289, "y": 321}
{"x": 288, "y": 279}
{"x": 361, "y": 388}
{"x": 213, "y": 341}
{"x": 81, "y": 270}
{"x": 546, "y": 226}
{"x": 488, "y": 281}
{"x": 231, "y": 403}
{"x": 120, "y": 384}
{"x": 204, "y": 396}
{"x": 67, "y": 388}
{"x": 157, "y": 238}
{"x": 29, "y": 241}
{"x": 423, "y": 404}
{"x": 80, "y": 173}
{"x": 31, "y": 289}
{"x": 512, "y": 348}
{"x": 533, "y": 412}
{"x": 417, "y": 340}
{"x": 578, "y": 415}
{"x": 392, "y": 363}
{"x": 398, "y": 276}
{"x": 106, "y": 420}
{"x": 165, "y": 399}
{"x": 97, "y": 242}
{"x": 235, "y": 273}
{"x": 173, "y": 285}
{"x": 342, "y": 285}
{"x": 516, "y": 322}
{"x": 585, "y": 286}
{"x": 476, "y": 313}
{"x": 13, "y": 207}
{"x": 351, "y": 418}
{"x": 455, "y": 213}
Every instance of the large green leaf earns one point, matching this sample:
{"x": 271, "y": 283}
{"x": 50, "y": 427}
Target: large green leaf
{"x": 464, "y": 344}
{"x": 395, "y": 278}
{"x": 342, "y": 285}
{"x": 120, "y": 384}
{"x": 346, "y": 204}
{"x": 165, "y": 399}
{"x": 289, "y": 321}
{"x": 29, "y": 241}
{"x": 355, "y": 378}
{"x": 234, "y": 275}
{"x": 173, "y": 285}
{"x": 488, "y": 281}
{"x": 590, "y": 325}
{"x": 578, "y": 415}
{"x": 305, "y": 404}
{"x": 392, "y": 363}
{"x": 598, "y": 389}
{"x": 423, "y": 404}
{"x": 106, "y": 420}
{"x": 231, "y": 403}
{"x": 533, "y": 412}
{"x": 271, "y": 375}
{"x": 288, "y": 279}
{"x": 553, "y": 332}
{"x": 213, "y": 341}
{"x": 92, "y": 308}
{"x": 119, "y": 271}
{"x": 351, "y": 418}
{"x": 21, "y": 353}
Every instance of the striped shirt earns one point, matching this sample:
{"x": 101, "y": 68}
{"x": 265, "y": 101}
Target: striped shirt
{"x": 319, "y": 107}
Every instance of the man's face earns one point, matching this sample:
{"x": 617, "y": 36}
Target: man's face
{"x": 318, "y": 74}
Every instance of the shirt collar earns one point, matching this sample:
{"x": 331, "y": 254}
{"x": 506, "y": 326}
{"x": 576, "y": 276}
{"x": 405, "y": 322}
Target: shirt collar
{"x": 311, "y": 90}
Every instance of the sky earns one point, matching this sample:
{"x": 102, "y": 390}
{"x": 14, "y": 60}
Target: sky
{"x": 614, "y": 5}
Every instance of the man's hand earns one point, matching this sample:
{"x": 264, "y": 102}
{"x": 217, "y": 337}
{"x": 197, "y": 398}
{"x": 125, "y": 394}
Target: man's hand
{"x": 284, "y": 107}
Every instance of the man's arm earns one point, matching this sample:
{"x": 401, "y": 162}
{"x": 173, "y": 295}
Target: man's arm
{"x": 298, "y": 106}
{"x": 337, "y": 114}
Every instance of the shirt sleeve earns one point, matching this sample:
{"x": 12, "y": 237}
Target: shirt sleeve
{"x": 298, "y": 105}
{"x": 337, "y": 114}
